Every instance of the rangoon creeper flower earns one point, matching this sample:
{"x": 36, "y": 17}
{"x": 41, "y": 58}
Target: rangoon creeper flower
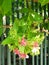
{"x": 23, "y": 42}
{"x": 27, "y": 56}
{"x": 35, "y": 48}
{"x": 16, "y": 51}
{"x": 23, "y": 55}
{"x": 35, "y": 44}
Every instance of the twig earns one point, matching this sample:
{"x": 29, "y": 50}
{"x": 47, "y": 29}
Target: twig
{"x": 6, "y": 26}
{"x": 45, "y": 31}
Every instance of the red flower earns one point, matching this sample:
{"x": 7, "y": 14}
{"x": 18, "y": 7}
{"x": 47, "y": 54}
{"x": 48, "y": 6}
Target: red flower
{"x": 22, "y": 55}
{"x": 16, "y": 51}
{"x": 35, "y": 44}
{"x": 23, "y": 42}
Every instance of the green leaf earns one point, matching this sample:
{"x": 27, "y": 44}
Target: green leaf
{"x": 43, "y": 2}
{"x": 1, "y": 28}
{"x": 24, "y": 10}
{"x": 21, "y": 48}
{"x": 30, "y": 35}
{"x": 6, "y": 6}
{"x": 27, "y": 49}
{"x": 6, "y": 41}
{"x": 1, "y": 1}
{"x": 46, "y": 25}
{"x": 36, "y": 17}
{"x": 20, "y": 0}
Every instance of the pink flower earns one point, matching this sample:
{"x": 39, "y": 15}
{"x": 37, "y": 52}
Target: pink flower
{"x": 16, "y": 51}
{"x": 22, "y": 55}
{"x": 36, "y": 48}
{"x": 23, "y": 42}
{"x": 35, "y": 44}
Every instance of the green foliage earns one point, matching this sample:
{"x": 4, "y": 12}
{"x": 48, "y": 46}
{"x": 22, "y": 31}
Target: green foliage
{"x": 23, "y": 29}
{"x": 21, "y": 48}
{"x": 43, "y": 2}
{"x": 1, "y": 28}
{"x": 46, "y": 25}
{"x": 1, "y": 1}
{"x": 5, "y": 6}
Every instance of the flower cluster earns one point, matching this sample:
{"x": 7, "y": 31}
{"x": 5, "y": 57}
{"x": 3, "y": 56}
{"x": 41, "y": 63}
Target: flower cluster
{"x": 21, "y": 55}
{"x": 16, "y": 51}
{"x": 35, "y": 49}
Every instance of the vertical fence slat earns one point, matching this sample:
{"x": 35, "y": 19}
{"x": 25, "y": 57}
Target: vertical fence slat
{"x": 37, "y": 61}
{"x": 44, "y": 12}
{"x": 20, "y": 62}
{"x": 45, "y": 37}
{"x": 41, "y": 55}
{"x": 2, "y": 47}
{"x": 48, "y": 37}
{"x": 41, "y": 50}
{"x": 12, "y": 12}
{"x": 48, "y": 10}
{"x": 8, "y": 57}
{"x": 14, "y": 55}
{"x": 23, "y": 5}
{"x": 14, "y": 59}
{"x": 17, "y": 2}
{"x": 45, "y": 51}
{"x": 27, "y": 4}
{"x": 48, "y": 49}
{"x": 0, "y": 54}
{"x": 32, "y": 6}
{"x": 35, "y": 5}
{"x": 33, "y": 61}
{"x": 8, "y": 51}
{"x": 2, "y": 57}
{"x": 24, "y": 62}
{"x": 36, "y": 9}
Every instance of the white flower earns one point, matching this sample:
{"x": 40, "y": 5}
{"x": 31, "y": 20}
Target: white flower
{"x": 27, "y": 56}
{"x": 35, "y": 49}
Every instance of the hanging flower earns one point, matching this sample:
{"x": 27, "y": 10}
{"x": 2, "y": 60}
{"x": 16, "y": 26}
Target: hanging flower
{"x": 35, "y": 44}
{"x": 16, "y": 51}
{"x": 23, "y": 55}
{"x": 36, "y": 48}
{"x": 23, "y": 42}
